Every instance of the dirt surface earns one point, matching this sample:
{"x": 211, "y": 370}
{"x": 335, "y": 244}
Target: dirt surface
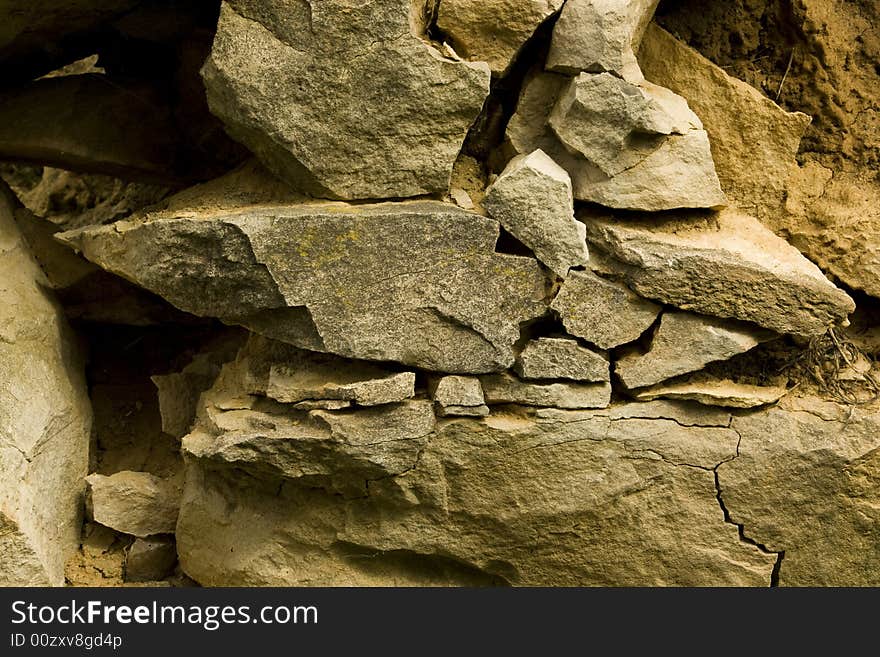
{"x": 821, "y": 57}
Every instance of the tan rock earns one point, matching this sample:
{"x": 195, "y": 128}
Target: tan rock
{"x": 561, "y": 358}
{"x": 136, "y": 503}
{"x": 150, "y": 559}
{"x": 805, "y": 486}
{"x": 493, "y": 31}
{"x": 683, "y": 343}
{"x": 314, "y": 377}
{"x": 45, "y": 419}
{"x": 716, "y": 393}
{"x": 505, "y": 388}
{"x": 678, "y": 173}
{"x": 728, "y": 266}
{"x": 325, "y": 124}
{"x": 599, "y": 501}
{"x": 616, "y": 124}
{"x": 600, "y": 35}
{"x": 603, "y": 312}
{"x": 458, "y": 395}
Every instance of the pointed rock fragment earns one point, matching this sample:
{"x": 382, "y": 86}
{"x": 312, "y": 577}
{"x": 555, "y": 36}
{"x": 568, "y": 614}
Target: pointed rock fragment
{"x": 532, "y": 199}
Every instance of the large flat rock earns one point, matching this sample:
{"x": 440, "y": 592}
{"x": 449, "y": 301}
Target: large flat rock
{"x": 45, "y": 420}
{"x": 341, "y": 100}
{"x": 414, "y": 282}
{"x": 580, "y": 498}
{"x": 727, "y": 265}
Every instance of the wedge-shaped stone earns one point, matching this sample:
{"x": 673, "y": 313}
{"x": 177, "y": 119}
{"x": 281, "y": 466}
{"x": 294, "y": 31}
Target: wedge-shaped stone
{"x": 304, "y": 375}
{"x": 561, "y": 358}
{"x": 136, "y": 503}
{"x": 603, "y": 312}
{"x": 600, "y": 500}
{"x": 414, "y": 282}
{"x": 805, "y": 483}
{"x": 728, "y": 265}
{"x": 600, "y": 35}
{"x": 343, "y": 100}
{"x": 717, "y": 392}
{"x": 505, "y": 388}
{"x": 686, "y": 343}
{"x": 45, "y": 419}
{"x": 679, "y": 173}
{"x": 616, "y": 124}
{"x": 458, "y": 395}
{"x": 754, "y": 141}
{"x": 532, "y": 199}
{"x": 493, "y": 31}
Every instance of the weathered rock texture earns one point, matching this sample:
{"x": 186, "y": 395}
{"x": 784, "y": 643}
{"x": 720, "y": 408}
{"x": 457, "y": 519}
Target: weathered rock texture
{"x": 583, "y": 498}
{"x": 329, "y": 261}
{"x": 416, "y": 282}
{"x": 341, "y": 100}
{"x": 45, "y": 420}
{"x": 676, "y": 173}
{"x": 727, "y": 266}
{"x": 532, "y": 199}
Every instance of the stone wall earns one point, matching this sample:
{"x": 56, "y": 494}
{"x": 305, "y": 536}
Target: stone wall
{"x": 440, "y": 292}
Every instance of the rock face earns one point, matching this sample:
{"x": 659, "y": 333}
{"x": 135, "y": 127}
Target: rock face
{"x": 494, "y": 31}
{"x": 810, "y": 493}
{"x": 754, "y": 141}
{"x": 415, "y": 282}
{"x": 600, "y": 35}
{"x": 588, "y": 498}
{"x": 45, "y": 420}
{"x": 136, "y": 503}
{"x": 508, "y": 389}
{"x": 603, "y": 312}
{"x": 342, "y": 101}
{"x": 683, "y": 343}
{"x": 677, "y": 173}
{"x": 561, "y": 358}
{"x": 729, "y": 266}
{"x": 532, "y": 199}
